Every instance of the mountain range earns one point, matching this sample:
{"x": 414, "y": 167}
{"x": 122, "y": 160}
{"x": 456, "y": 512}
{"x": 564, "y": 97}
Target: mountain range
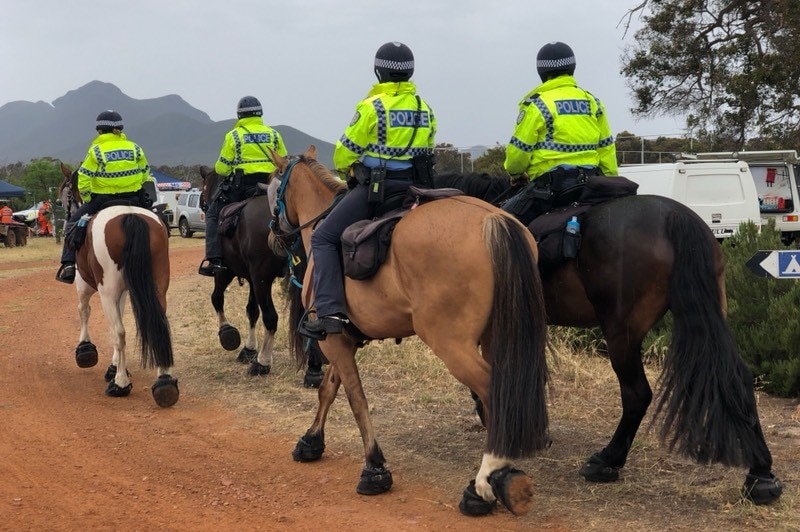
{"x": 170, "y": 131}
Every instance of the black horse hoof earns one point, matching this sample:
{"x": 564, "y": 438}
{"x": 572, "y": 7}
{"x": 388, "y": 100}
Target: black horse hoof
{"x": 86, "y": 354}
{"x": 762, "y": 490}
{"x": 165, "y": 391}
{"x": 229, "y": 337}
{"x": 247, "y": 355}
{"x": 111, "y": 372}
{"x": 513, "y": 488}
{"x": 596, "y": 470}
{"x": 112, "y": 390}
{"x": 313, "y": 378}
{"x": 308, "y": 449}
{"x": 257, "y": 369}
{"x": 473, "y": 505}
{"x": 374, "y": 481}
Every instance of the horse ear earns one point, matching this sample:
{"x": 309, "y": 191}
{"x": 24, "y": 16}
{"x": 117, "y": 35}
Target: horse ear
{"x": 311, "y": 152}
{"x": 66, "y": 171}
{"x": 280, "y": 162}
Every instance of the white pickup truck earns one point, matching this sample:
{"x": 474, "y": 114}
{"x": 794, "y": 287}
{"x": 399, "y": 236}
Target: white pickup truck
{"x": 775, "y": 177}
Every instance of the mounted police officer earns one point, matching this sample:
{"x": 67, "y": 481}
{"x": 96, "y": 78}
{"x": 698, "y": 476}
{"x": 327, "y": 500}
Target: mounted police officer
{"x": 245, "y": 161}
{"x": 562, "y": 136}
{"x": 387, "y": 147}
{"x": 114, "y": 170}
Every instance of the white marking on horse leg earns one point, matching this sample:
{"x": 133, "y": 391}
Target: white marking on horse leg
{"x": 222, "y": 319}
{"x": 266, "y": 349}
{"x": 112, "y": 295}
{"x": 85, "y": 293}
{"x": 489, "y": 463}
{"x": 252, "y": 339}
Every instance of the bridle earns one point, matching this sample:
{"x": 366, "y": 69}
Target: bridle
{"x": 290, "y": 239}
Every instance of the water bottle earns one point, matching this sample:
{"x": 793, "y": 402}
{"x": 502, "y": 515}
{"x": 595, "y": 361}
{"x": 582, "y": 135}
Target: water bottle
{"x": 572, "y": 238}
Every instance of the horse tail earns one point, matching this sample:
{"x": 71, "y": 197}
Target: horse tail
{"x": 516, "y": 343}
{"x": 706, "y": 397}
{"x": 137, "y": 270}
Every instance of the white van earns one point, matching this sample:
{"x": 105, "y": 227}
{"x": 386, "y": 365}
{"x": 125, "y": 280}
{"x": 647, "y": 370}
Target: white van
{"x": 722, "y": 193}
{"x": 775, "y": 176}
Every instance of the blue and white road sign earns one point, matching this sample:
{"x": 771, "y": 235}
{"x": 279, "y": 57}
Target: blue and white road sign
{"x": 777, "y": 263}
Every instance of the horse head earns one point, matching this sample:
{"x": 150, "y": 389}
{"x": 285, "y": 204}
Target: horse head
{"x": 68, "y": 195}
{"x": 211, "y": 181}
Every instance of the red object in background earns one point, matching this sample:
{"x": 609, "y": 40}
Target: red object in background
{"x": 771, "y": 176}
{"x": 781, "y": 204}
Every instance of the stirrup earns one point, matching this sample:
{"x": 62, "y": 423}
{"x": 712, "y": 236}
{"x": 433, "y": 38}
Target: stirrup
{"x": 66, "y": 273}
{"x": 321, "y": 327}
{"x": 209, "y": 267}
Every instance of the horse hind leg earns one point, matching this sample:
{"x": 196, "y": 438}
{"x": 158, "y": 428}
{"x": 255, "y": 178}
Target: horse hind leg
{"x": 496, "y": 478}
{"x": 119, "y": 384}
{"x": 624, "y": 350}
{"x": 249, "y": 352}
{"x": 269, "y": 318}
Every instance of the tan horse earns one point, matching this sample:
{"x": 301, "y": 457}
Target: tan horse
{"x": 126, "y": 254}
{"x": 460, "y": 274}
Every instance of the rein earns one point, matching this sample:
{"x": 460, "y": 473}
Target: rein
{"x": 289, "y": 239}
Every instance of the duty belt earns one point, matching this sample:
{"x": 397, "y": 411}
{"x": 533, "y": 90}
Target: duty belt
{"x": 559, "y": 173}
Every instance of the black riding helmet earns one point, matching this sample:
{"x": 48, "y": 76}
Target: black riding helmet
{"x": 108, "y": 121}
{"x": 249, "y": 106}
{"x": 555, "y": 58}
{"x": 394, "y": 62}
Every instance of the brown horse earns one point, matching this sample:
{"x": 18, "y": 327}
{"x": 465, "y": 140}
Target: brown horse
{"x": 248, "y": 257}
{"x": 459, "y": 274}
{"x": 640, "y": 257}
{"x": 126, "y": 252}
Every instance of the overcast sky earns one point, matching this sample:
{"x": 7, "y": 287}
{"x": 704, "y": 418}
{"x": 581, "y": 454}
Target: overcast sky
{"x": 310, "y": 61}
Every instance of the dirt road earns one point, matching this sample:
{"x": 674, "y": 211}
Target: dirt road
{"x": 73, "y": 459}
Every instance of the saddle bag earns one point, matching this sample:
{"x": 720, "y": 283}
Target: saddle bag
{"x": 365, "y": 245}
{"x": 599, "y": 189}
{"x": 229, "y": 218}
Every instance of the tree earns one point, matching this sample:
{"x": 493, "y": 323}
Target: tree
{"x": 450, "y": 160}
{"x": 731, "y": 66}
{"x": 491, "y": 162}
{"x": 41, "y": 178}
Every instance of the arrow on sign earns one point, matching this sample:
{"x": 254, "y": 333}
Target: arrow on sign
{"x": 777, "y": 263}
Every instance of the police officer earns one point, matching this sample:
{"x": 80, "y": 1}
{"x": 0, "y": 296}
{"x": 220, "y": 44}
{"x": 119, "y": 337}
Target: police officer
{"x": 559, "y": 125}
{"x": 244, "y": 159}
{"x": 114, "y": 169}
{"x": 388, "y": 146}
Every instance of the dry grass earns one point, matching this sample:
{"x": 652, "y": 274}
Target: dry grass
{"x": 428, "y": 431}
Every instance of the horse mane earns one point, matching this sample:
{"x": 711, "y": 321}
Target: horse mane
{"x": 322, "y": 173}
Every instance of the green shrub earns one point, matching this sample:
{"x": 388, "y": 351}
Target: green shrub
{"x": 763, "y": 313}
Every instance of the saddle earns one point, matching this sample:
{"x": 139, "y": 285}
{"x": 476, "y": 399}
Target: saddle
{"x": 229, "y": 214}
{"x": 549, "y": 228}
{"x": 365, "y": 244}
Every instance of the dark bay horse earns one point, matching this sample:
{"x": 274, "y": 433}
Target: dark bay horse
{"x": 126, "y": 253}
{"x": 248, "y": 257}
{"x": 459, "y": 274}
{"x": 640, "y": 257}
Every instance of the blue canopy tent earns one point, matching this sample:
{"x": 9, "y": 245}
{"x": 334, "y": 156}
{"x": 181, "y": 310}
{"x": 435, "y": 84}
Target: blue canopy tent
{"x": 7, "y": 190}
